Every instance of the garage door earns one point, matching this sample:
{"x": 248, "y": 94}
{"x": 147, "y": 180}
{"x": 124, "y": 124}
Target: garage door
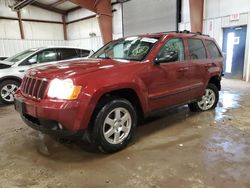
{"x": 147, "y": 16}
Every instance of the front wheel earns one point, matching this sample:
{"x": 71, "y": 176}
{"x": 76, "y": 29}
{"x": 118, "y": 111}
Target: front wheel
{"x": 7, "y": 91}
{"x": 114, "y": 126}
{"x": 209, "y": 100}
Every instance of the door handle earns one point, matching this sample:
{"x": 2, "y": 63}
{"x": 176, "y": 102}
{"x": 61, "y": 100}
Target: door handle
{"x": 183, "y": 69}
{"x": 210, "y": 65}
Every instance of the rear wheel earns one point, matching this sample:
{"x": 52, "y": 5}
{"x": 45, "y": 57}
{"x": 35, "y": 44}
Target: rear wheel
{"x": 209, "y": 100}
{"x": 114, "y": 126}
{"x": 7, "y": 91}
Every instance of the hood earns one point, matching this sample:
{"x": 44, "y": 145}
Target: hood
{"x": 5, "y": 64}
{"x": 71, "y": 69}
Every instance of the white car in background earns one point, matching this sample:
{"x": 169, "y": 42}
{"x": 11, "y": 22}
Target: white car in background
{"x": 13, "y": 69}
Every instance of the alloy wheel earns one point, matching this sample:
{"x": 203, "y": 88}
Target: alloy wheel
{"x": 117, "y": 125}
{"x": 207, "y": 100}
{"x": 8, "y": 92}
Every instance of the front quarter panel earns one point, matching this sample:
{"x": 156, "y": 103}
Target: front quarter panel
{"x": 17, "y": 72}
{"x": 98, "y": 84}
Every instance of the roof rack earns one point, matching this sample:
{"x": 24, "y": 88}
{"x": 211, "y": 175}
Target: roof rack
{"x": 184, "y": 31}
{"x": 189, "y": 32}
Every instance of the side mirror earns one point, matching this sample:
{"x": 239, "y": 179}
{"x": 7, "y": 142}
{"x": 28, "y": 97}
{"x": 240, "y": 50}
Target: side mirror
{"x": 169, "y": 56}
{"x": 32, "y": 61}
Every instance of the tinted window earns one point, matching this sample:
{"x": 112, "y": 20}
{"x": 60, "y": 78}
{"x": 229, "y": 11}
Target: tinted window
{"x": 213, "y": 50}
{"x": 173, "y": 49}
{"x": 69, "y": 54}
{"x": 83, "y": 53}
{"x": 47, "y": 56}
{"x": 196, "y": 49}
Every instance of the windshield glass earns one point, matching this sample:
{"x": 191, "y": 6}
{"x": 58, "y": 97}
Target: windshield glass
{"x": 20, "y": 56}
{"x": 131, "y": 48}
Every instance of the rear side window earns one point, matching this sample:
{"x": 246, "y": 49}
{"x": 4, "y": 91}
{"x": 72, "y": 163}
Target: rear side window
{"x": 83, "y": 53}
{"x": 213, "y": 49}
{"x": 68, "y": 54}
{"x": 196, "y": 49}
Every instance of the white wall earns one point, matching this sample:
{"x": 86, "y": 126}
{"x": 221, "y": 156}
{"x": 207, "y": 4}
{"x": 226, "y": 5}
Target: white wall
{"x": 93, "y": 43}
{"x": 44, "y": 34}
{"x": 117, "y": 21}
{"x": 36, "y": 33}
{"x": 35, "y": 13}
{"x": 42, "y": 31}
{"x": 8, "y": 28}
{"x": 81, "y": 30}
{"x": 217, "y": 16}
{"x": 9, "y": 47}
{"x": 5, "y": 11}
{"x": 217, "y": 8}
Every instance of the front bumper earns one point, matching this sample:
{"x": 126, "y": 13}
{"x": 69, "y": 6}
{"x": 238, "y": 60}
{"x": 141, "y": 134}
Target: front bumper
{"x": 50, "y": 127}
{"x": 59, "y": 118}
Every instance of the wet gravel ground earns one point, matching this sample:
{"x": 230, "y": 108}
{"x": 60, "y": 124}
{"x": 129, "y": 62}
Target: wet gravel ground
{"x": 175, "y": 149}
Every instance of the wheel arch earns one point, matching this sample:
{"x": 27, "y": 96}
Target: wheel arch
{"x": 126, "y": 93}
{"x": 216, "y": 81}
{"x": 15, "y": 78}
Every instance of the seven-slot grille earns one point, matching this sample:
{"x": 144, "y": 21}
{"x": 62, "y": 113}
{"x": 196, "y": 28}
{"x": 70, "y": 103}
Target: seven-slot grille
{"x": 34, "y": 87}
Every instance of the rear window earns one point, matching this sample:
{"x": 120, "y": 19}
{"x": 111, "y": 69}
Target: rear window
{"x": 213, "y": 49}
{"x": 196, "y": 49}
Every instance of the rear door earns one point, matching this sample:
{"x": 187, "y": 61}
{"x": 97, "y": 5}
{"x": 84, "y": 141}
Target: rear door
{"x": 199, "y": 61}
{"x": 216, "y": 59}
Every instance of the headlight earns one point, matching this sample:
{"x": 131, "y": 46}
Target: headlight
{"x": 63, "y": 89}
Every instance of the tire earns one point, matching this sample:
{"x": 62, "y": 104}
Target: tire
{"x": 208, "y": 102}
{"x": 7, "y": 91}
{"x": 114, "y": 126}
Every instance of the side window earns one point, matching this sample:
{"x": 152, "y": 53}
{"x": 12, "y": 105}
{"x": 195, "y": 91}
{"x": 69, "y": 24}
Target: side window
{"x": 196, "y": 49}
{"x": 213, "y": 49}
{"x": 83, "y": 53}
{"x": 30, "y": 61}
{"x": 172, "y": 51}
{"x": 68, "y": 54}
{"x": 47, "y": 56}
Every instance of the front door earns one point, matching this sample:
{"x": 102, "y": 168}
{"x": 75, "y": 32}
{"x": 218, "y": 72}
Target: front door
{"x": 234, "y": 41}
{"x": 170, "y": 85}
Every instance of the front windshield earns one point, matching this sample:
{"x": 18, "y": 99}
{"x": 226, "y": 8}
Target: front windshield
{"x": 131, "y": 48}
{"x": 20, "y": 56}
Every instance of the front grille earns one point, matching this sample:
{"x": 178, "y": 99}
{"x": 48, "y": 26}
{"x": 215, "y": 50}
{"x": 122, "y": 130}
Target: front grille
{"x": 34, "y": 87}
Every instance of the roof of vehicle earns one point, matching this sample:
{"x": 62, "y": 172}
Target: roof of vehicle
{"x": 183, "y": 33}
{"x": 69, "y": 47}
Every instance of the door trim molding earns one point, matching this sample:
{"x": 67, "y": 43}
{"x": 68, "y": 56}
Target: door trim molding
{"x": 167, "y": 94}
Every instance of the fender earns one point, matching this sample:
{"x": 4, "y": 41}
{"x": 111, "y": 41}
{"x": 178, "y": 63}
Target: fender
{"x": 96, "y": 96}
{"x": 11, "y": 78}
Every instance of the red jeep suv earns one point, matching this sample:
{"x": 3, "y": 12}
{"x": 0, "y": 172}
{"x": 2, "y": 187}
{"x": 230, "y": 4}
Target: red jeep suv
{"x": 104, "y": 97}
